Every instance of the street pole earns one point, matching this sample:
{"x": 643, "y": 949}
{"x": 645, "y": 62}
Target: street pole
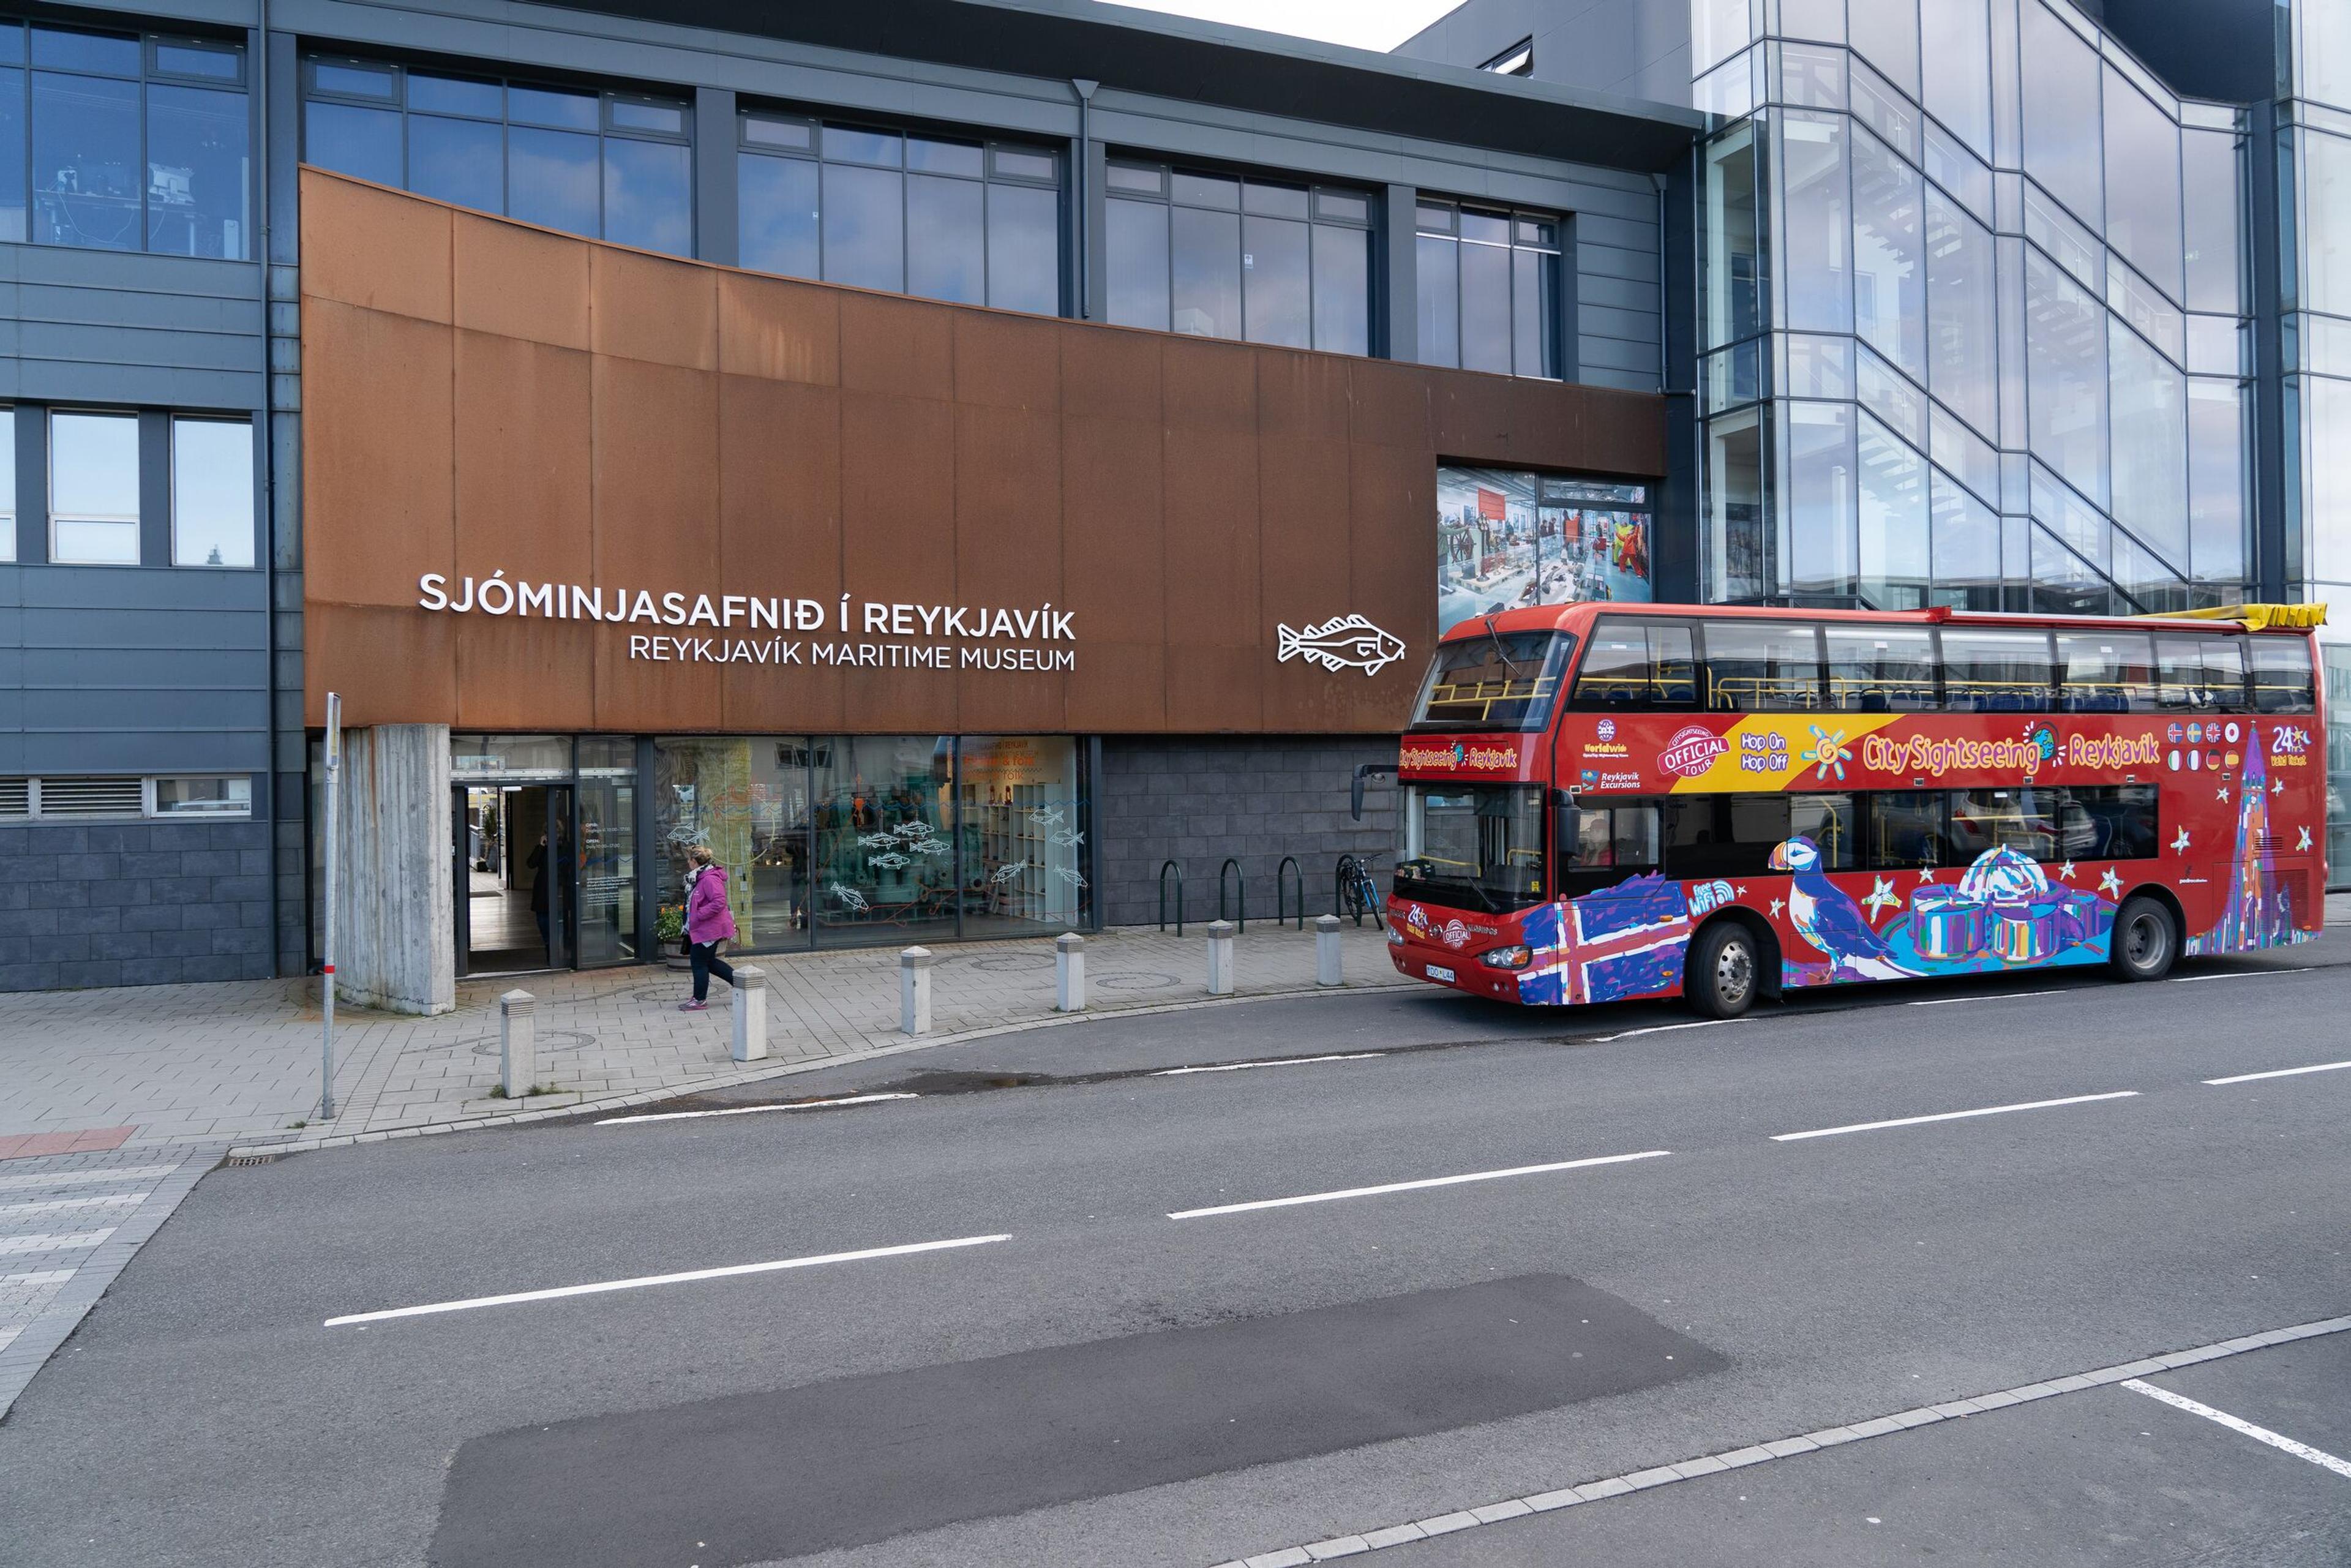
{"x": 326, "y": 943}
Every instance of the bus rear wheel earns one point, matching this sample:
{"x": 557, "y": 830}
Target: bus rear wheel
{"x": 2146, "y": 940}
{"x": 1723, "y": 971}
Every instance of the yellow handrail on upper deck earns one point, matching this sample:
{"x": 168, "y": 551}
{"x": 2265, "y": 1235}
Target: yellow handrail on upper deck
{"x": 2255, "y": 617}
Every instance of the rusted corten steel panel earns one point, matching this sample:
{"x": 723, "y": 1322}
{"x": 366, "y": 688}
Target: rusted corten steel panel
{"x": 486, "y": 401}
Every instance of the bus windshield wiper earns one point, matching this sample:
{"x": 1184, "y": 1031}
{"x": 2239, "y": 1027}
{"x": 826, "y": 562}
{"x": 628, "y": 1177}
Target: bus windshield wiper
{"x": 1499, "y": 652}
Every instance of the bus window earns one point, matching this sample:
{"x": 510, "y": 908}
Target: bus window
{"x": 1637, "y": 664}
{"x": 2106, "y": 671}
{"x": 1906, "y": 829}
{"x": 1881, "y": 669}
{"x": 1828, "y": 821}
{"x": 1606, "y": 844}
{"x": 1723, "y": 835}
{"x": 1993, "y": 671}
{"x": 2029, "y": 820}
{"x": 2281, "y": 677}
{"x": 2121, "y": 820}
{"x": 2202, "y": 671}
{"x": 1493, "y": 683}
{"x": 1761, "y": 666}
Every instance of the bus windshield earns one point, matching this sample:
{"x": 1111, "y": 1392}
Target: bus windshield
{"x": 1505, "y": 681}
{"x": 1472, "y": 846}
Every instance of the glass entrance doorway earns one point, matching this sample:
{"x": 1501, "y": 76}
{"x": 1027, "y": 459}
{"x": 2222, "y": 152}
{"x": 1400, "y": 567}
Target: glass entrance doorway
{"x": 516, "y": 877}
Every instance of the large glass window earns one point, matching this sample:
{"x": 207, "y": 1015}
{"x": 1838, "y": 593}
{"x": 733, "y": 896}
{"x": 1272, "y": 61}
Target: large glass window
{"x": 2028, "y": 820}
{"x": 2282, "y": 675}
{"x": 610, "y": 165}
{"x": 2066, "y": 374}
{"x": 1724, "y": 835}
{"x": 1962, "y": 319}
{"x": 1882, "y": 669}
{"x": 1958, "y": 46}
{"x": 1498, "y": 682}
{"x": 1489, "y": 287}
{"x": 1219, "y": 255}
{"x": 1822, "y": 498}
{"x": 1733, "y": 240}
{"x": 2201, "y": 671}
{"x": 2143, "y": 184}
{"x": 1906, "y": 829}
{"x": 1994, "y": 670}
{"x": 7, "y": 484}
{"x": 2326, "y": 180}
{"x": 1815, "y": 243}
{"x": 1890, "y": 283}
{"x": 212, "y": 492}
{"x": 1476, "y": 846}
{"x": 2216, "y": 476}
{"x": 2106, "y": 671}
{"x": 94, "y": 488}
{"x": 1637, "y": 664}
{"x": 1893, "y": 557}
{"x": 853, "y": 840}
{"x": 2149, "y": 466}
{"x": 978, "y": 223}
{"x": 2061, "y": 112}
{"x": 2209, "y": 178}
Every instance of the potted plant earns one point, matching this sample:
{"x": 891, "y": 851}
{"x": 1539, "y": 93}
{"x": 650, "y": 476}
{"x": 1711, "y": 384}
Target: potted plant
{"x": 669, "y": 931}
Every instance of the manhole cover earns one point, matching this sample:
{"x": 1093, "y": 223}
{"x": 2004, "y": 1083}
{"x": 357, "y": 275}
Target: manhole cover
{"x": 1138, "y": 982}
{"x": 548, "y": 1040}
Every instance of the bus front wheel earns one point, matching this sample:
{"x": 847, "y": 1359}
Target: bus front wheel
{"x": 1724, "y": 971}
{"x": 2146, "y": 940}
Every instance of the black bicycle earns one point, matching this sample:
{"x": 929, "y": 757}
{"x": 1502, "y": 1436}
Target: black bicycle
{"x": 1358, "y": 894}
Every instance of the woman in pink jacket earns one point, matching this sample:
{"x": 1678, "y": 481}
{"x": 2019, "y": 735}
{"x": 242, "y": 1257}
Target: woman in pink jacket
{"x": 708, "y": 922}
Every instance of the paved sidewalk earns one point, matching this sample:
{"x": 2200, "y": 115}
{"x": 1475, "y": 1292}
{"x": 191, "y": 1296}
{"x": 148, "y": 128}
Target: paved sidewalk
{"x": 2338, "y": 909}
{"x": 240, "y": 1062}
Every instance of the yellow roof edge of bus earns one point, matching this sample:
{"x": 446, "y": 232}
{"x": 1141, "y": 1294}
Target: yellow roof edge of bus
{"x": 2255, "y": 617}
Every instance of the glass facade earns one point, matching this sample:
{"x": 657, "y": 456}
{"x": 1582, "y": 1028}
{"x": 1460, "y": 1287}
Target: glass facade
{"x": 610, "y": 165}
{"x": 2314, "y": 188}
{"x": 978, "y": 223}
{"x": 1490, "y": 295}
{"x": 1973, "y": 309}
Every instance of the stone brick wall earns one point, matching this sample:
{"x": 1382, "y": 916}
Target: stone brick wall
{"x": 148, "y": 902}
{"x": 1202, "y": 798}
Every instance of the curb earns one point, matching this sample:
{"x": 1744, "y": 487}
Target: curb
{"x": 297, "y": 1145}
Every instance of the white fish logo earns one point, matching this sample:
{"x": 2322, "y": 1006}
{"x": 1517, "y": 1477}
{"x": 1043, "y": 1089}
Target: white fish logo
{"x": 1010, "y": 871}
{"x": 1342, "y": 643}
{"x": 849, "y": 897}
{"x": 1046, "y": 816}
{"x": 891, "y": 861}
{"x": 1070, "y": 838}
{"x": 1069, "y": 874}
{"x": 878, "y": 841}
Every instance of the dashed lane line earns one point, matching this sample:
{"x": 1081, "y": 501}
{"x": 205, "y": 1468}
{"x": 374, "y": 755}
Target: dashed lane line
{"x": 1415, "y": 1186}
{"x": 1952, "y": 1116}
{"x": 753, "y": 1110}
{"x": 1662, "y": 1029}
{"x": 2281, "y": 1073}
{"x": 1274, "y": 1061}
{"x": 2318, "y": 1457}
{"x": 2242, "y": 975}
{"x": 1994, "y": 996}
{"x": 1494, "y": 1512}
{"x": 645, "y": 1281}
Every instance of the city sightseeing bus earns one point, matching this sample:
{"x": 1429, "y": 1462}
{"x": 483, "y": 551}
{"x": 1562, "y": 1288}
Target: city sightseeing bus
{"x": 1602, "y": 802}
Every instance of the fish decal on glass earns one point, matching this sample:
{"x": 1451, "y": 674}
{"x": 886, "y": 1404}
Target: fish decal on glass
{"x": 888, "y": 860}
{"x": 1070, "y": 838}
{"x": 1006, "y": 872}
{"x": 1069, "y": 874}
{"x": 1046, "y": 816}
{"x": 878, "y": 841}
{"x": 1342, "y": 643}
{"x": 849, "y": 897}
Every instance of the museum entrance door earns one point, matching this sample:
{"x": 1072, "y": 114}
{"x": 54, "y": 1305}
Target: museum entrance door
{"x": 517, "y": 855}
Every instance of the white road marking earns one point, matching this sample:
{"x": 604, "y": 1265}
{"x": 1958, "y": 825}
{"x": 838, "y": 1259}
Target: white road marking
{"x": 2318, "y": 1457}
{"x": 61, "y": 1178}
{"x": 1279, "y": 1062}
{"x": 2282, "y": 1072}
{"x": 2241, "y": 975}
{"x": 731, "y": 1271}
{"x": 1415, "y": 1186}
{"x": 1952, "y": 1116}
{"x": 1994, "y": 996}
{"x": 59, "y": 1205}
{"x": 54, "y": 1243}
{"x": 751, "y": 1109}
{"x": 1666, "y": 1029}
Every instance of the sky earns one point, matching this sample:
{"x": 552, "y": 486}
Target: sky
{"x": 1365, "y": 23}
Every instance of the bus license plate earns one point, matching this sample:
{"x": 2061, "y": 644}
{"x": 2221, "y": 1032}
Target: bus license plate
{"x": 1439, "y": 972}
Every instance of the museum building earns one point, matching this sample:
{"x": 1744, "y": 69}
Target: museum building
{"x": 955, "y": 459}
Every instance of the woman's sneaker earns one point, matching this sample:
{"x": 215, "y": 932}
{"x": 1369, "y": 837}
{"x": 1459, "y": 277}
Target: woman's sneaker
{"x": 693, "y": 1006}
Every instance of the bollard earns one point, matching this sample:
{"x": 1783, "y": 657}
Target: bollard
{"x": 750, "y": 1013}
{"x": 915, "y": 991}
{"x": 1326, "y": 951}
{"x": 1220, "y": 958}
{"x": 517, "y": 1043}
{"x": 1069, "y": 973}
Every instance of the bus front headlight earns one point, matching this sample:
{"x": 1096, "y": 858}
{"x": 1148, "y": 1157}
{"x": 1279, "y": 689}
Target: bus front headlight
{"x": 1517, "y": 957}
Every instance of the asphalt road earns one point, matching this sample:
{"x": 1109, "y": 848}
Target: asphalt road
{"x": 1085, "y": 1378}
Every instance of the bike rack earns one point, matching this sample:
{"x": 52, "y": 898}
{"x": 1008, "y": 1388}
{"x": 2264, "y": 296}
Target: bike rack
{"x": 1164, "y": 869}
{"x": 1241, "y": 892}
{"x": 1289, "y": 863}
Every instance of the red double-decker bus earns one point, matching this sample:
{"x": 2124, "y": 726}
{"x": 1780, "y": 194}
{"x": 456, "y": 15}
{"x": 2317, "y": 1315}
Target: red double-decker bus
{"x": 1604, "y": 802}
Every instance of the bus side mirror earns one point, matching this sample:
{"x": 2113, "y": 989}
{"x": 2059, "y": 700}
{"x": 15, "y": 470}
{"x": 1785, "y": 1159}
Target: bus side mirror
{"x": 1567, "y": 822}
{"x": 1367, "y": 770}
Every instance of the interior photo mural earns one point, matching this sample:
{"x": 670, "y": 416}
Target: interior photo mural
{"x": 1507, "y": 538}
